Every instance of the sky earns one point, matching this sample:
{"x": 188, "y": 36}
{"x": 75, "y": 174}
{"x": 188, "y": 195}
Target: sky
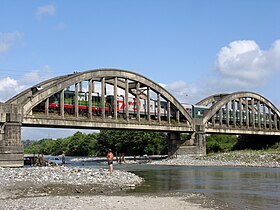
{"x": 193, "y": 48}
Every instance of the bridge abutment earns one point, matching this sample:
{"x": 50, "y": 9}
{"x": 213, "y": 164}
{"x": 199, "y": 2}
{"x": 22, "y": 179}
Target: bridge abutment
{"x": 11, "y": 149}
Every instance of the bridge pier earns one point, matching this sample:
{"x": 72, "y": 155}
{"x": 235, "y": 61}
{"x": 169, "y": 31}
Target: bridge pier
{"x": 177, "y": 147}
{"x": 173, "y": 143}
{"x": 11, "y": 149}
{"x": 200, "y": 141}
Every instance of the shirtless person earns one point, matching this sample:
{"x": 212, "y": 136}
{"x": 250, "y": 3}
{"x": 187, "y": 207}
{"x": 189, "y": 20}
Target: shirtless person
{"x": 110, "y": 157}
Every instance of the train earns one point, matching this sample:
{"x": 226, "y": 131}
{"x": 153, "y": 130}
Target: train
{"x": 198, "y": 111}
{"x": 83, "y": 105}
{"x": 195, "y": 111}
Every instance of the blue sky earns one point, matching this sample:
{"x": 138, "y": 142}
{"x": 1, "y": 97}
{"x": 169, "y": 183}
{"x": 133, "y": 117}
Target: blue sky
{"x": 197, "y": 48}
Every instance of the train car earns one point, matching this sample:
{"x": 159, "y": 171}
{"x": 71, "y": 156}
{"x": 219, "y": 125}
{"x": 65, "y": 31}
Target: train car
{"x": 195, "y": 111}
{"x": 199, "y": 111}
{"x": 188, "y": 108}
{"x": 83, "y": 104}
{"x": 132, "y": 105}
{"x": 143, "y": 109}
{"x": 69, "y": 102}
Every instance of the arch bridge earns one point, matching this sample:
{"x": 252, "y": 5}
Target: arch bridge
{"x": 119, "y": 99}
{"x": 239, "y": 113}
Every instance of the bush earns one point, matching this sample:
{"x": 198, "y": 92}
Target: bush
{"x": 220, "y": 143}
{"x": 255, "y": 142}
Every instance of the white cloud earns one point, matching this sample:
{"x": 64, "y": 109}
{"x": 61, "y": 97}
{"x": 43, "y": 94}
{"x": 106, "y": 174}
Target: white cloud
{"x": 8, "y": 83}
{"x": 48, "y": 10}
{"x": 244, "y": 64}
{"x": 184, "y": 92}
{"x": 10, "y": 87}
{"x": 7, "y": 40}
{"x": 241, "y": 66}
{"x": 35, "y": 76}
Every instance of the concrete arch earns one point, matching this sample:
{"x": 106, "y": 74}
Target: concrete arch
{"x": 211, "y": 99}
{"x": 236, "y": 96}
{"x": 21, "y": 97}
{"x": 29, "y": 101}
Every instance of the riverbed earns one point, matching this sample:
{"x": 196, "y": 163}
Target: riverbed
{"x": 245, "y": 187}
{"x": 77, "y": 187}
{"x": 186, "y": 182}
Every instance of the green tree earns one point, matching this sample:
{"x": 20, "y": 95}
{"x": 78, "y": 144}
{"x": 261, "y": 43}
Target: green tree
{"x": 78, "y": 145}
{"x": 255, "y": 142}
{"x": 42, "y": 146}
{"x": 131, "y": 142}
{"x": 220, "y": 143}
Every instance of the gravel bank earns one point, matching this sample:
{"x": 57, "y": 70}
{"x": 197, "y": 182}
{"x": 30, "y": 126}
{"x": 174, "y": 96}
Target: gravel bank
{"x": 42, "y": 181}
{"x": 99, "y": 202}
{"x": 79, "y": 188}
{"x": 234, "y": 159}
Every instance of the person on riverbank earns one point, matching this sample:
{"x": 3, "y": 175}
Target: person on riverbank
{"x": 63, "y": 158}
{"x": 110, "y": 158}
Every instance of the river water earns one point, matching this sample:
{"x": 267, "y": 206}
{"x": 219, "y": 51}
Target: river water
{"x": 240, "y": 188}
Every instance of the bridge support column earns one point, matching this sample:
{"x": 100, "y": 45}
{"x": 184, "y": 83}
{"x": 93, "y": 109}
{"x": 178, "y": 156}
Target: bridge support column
{"x": 173, "y": 143}
{"x": 177, "y": 147}
{"x": 11, "y": 149}
{"x": 200, "y": 142}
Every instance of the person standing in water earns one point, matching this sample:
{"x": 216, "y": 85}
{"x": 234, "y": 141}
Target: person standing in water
{"x": 110, "y": 158}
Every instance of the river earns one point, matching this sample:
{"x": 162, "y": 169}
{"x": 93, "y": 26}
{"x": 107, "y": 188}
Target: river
{"x": 240, "y": 188}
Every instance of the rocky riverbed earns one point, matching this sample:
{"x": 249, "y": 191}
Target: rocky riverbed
{"x": 83, "y": 188}
{"x": 234, "y": 159}
{"x": 79, "y": 188}
{"x": 42, "y": 181}
{"x": 270, "y": 159}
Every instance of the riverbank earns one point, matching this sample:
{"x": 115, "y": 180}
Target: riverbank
{"x": 79, "y": 188}
{"x": 88, "y": 188}
{"x": 43, "y": 181}
{"x": 233, "y": 159}
{"x": 261, "y": 158}
{"x": 101, "y": 202}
